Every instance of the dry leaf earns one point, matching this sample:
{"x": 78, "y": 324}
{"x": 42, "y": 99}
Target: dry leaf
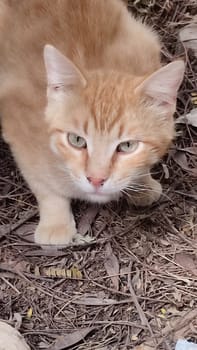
{"x": 112, "y": 266}
{"x": 11, "y": 339}
{"x": 188, "y": 35}
{"x": 26, "y": 231}
{"x": 14, "y": 267}
{"x": 187, "y": 261}
{"x": 190, "y": 118}
{"x": 87, "y": 219}
{"x": 181, "y": 159}
{"x": 6, "y": 229}
{"x": 65, "y": 341}
{"x": 29, "y": 312}
{"x": 81, "y": 240}
{"x": 166, "y": 171}
{"x": 191, "y": 150}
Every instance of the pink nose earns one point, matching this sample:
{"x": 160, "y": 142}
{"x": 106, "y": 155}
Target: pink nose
{"x": 96, "y": 182}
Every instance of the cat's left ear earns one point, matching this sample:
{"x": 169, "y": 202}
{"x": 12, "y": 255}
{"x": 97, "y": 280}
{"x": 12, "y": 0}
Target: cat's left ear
{"x": 162, "y": 86}
{"x": 62, "y": 75}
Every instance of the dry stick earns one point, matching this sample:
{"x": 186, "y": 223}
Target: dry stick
{"x": 112, "y": 290}
{"x": 109, "y": 323}
{"x": 10, "y": 285}
{"x": 185, "y": 239}
{"x": 104, "y": 303}
{"x": 141, "y": 313}
{"x": 6, "y": 229}
{"x": 43, "y": 290}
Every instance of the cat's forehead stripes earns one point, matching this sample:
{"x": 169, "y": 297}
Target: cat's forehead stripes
{"x": 85, "y": 126}
{"x": 106, "y": 100}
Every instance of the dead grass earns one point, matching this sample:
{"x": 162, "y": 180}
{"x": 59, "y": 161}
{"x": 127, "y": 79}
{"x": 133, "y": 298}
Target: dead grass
{"x": 138, "y": 281}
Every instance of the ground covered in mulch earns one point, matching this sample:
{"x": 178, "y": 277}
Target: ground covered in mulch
{"x": 136, "y": 284}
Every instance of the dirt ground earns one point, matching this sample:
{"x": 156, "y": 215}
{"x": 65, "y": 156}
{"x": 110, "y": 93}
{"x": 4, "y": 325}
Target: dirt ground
{"x": 135, "y": 283}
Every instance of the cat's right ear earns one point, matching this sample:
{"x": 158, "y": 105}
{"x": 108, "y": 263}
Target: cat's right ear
{"x": 62, "y": 75}
{"x": 162, "y": 86}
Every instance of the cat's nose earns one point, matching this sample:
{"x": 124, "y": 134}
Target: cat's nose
{"x": 96, "y": 182}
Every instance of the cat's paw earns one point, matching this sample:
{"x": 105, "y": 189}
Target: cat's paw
{"x": 59, "y": 234}
{"x": 151, "y": 195}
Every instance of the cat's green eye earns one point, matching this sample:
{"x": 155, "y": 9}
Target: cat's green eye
{"x": 128, "y": 146}
{"x": 76, "y": 141}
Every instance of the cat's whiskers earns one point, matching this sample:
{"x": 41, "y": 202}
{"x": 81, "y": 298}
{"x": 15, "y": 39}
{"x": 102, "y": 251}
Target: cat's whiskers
{"x": 138, "y": 175}
{"x": 125, "y": 193}
{"x": 148, "y": 189}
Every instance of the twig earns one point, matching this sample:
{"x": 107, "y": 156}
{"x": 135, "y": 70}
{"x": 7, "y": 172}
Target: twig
{"x": 177, "y": 232}
{"x": 10, "y": 285}
{"x": 104, "y": 303}
{"x": 141, "y": 313}
{"x": 6, "y": 229}
{"x": 120, "y": 323}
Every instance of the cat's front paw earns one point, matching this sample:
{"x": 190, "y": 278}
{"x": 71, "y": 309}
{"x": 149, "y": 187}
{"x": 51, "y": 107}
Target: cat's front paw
{"x": 59, "y": 234}
{"x": 150, "y": 195}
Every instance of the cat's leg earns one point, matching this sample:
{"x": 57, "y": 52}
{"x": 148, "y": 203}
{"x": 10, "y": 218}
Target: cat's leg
{"x": 150, "y": 192}
{"x": 37, "y": 164}
{"x": 57, "y": 225}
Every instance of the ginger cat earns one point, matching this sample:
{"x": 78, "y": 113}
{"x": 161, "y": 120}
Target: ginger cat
{"x": 86, "y": 106}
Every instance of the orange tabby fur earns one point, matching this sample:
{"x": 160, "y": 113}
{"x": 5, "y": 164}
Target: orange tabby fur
{"x": 107, "y": 95}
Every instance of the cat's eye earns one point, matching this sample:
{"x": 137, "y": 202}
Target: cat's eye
{"x": 76, "y": 141}
{"x": 128, "y": 146}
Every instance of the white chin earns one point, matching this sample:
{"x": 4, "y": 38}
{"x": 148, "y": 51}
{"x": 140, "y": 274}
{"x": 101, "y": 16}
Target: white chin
{"x": 96, "y": 198}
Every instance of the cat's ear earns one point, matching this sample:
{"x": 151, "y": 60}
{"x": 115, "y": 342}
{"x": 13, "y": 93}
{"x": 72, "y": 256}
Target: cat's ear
{"x": 62, "y": 74}
{"x": 162, "y": 86}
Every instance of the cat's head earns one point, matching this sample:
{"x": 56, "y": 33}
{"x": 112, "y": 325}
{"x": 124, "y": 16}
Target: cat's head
{"x": 108, "y": 128}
